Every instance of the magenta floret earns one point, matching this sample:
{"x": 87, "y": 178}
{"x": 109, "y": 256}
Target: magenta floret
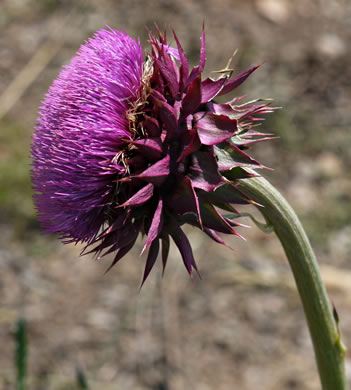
{"x": 79, "y": 132}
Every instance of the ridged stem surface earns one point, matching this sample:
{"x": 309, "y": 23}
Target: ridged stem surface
{"x": 323, "y": 326}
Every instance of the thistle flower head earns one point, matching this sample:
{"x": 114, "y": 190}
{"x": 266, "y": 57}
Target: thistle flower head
{"x": 126, "y": 145}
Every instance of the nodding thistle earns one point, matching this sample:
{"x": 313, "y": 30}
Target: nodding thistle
{"x": 127, "y": 145}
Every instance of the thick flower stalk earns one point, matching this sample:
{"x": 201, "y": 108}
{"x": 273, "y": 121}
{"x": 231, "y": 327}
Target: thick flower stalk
{"x": 126, "y": 145}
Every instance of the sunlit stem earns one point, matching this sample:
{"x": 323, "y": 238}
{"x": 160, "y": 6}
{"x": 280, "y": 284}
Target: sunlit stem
{"x": 323, "y": 325}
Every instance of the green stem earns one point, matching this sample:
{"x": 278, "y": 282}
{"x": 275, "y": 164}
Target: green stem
{"x": 324, "y": 329}
{"x": 21, "y": 354}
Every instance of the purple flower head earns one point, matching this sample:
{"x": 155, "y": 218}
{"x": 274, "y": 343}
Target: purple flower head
{"x": 125, "y": 146}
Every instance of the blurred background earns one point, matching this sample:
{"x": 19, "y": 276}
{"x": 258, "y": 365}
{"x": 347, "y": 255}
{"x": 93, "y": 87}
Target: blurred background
{"x": 242, "y": 325}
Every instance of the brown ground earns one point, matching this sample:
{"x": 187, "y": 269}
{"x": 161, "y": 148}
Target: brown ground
{"x": 242, "y": 325}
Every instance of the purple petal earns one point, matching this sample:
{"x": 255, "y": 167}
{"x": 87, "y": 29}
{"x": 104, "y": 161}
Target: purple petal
{"x": 184, "y": 70}
{"x": 172, "y": 51}
{"x": 203, "y": 50}
{"x": 211, "y": 88}
{"x": 203, "y": 172}
{"x": 165, "y": 251}
{"x": 199, "y": 69}
{"x": 151, "y": 148}
{"x": 223, "y": 109}
{"x": 192, "y": 99}
{"x": 196, "y": 200}
{"x": 191, "y": 143}
{"x": 170, "y": 78}
{"x": 184, "y": 247}
{"x": 106, "y": 242}
{"x": 121, "y": 253}
{"x": 212, "y": 219}
{"x": 183, "y": 198}
{"x": 151, "y": 259}
{"x": 168, "y": 115}
{"x": 122, "y": 238}
{"x": 152, "y": 127}
{"x": 138, "y": 162}
{"x": 156, "y": 173}
{"x": 238, "y": 80}
{"x": 128, "y": 246}
{"x": 166, "y": 59}
{"x": 156, "y": 225}
{"x": 118, "y": 223}
{"x": 108, "y": 237}
{"x": 212, "y": 233}
{"x": 140, "y": 197}
{"x": 214, "y": 129}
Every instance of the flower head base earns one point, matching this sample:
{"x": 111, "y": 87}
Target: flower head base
{"x": 125, "y": 146}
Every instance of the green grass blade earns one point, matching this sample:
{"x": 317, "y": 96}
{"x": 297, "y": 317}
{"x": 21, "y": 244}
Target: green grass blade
{"x": 81, "y": 379}
{"x": 21, "y": 354}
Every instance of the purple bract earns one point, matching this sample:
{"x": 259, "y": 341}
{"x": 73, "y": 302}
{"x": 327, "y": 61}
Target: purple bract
{"x": 125, "y": 145}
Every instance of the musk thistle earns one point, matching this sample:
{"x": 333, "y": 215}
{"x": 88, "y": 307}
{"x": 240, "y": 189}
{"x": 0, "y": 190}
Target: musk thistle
{"x": 127, "y": 145}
